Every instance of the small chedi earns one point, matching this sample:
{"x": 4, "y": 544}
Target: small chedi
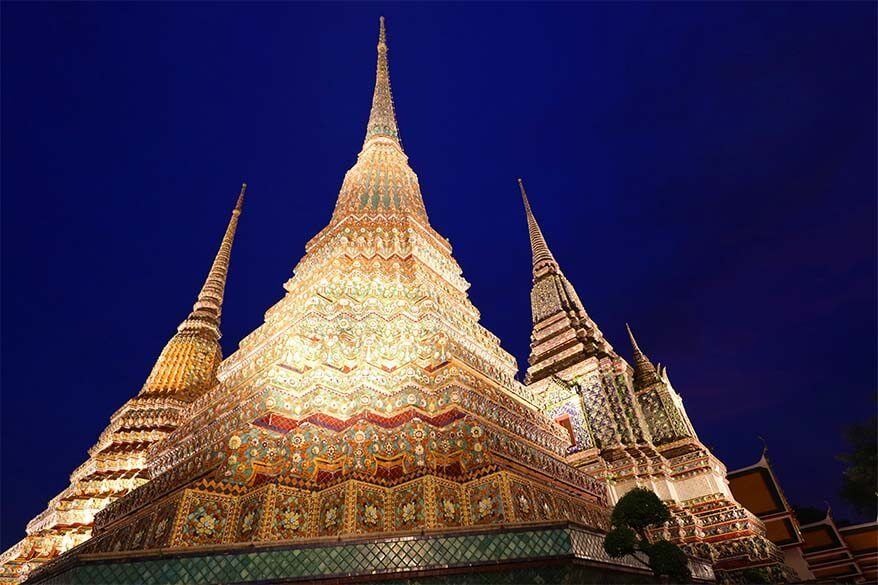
{"x": 117, "y": 463}
{"x": 628, "y": 425}
{"x": 371, "y": 426}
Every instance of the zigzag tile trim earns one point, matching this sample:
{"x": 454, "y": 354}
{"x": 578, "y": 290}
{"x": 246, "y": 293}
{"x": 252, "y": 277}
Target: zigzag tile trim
{"x": 282, "y": 424}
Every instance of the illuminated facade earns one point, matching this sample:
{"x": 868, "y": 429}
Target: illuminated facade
{"x": 371, "y": 425}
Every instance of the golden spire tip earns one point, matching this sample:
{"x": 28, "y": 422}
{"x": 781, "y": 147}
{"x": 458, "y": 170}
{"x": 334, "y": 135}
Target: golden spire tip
{"x": 524, "y": 197}
{"x": 240, "y": 203}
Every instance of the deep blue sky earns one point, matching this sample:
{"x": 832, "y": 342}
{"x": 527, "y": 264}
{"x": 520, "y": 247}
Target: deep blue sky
{"x": 705, "y": 172}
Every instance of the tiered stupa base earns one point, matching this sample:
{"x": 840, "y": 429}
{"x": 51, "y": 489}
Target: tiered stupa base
{"x": 712, "y": 525}
{"x": 513, "y": 527}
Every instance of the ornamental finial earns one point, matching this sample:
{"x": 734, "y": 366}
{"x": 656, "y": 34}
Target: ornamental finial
{"x": 205, "y": 315}
{"x": 382, "y": 118}
{"x": 541, "y": 253}
{"x": 645, "y": 373}
{"x": 631, "y": 337}
{"x": 239, "y": 205}
{"x": 764, "y": 456}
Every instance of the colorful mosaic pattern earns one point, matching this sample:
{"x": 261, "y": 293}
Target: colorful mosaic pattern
{"x": 250, "y": 517}
{"x": 331, "y": 517}
{"x": 408, "y": 506}
{"x": 206, "y": 519}
{"x": 278, "y": 513}
{"x": 314, "y": 454}
{"x": 486, "y": 502}
{"x": 162, "y": 524}
{"x": 140, "y": 532}
{"x": 448, "y": 505}
{"x": 292, "y": 514}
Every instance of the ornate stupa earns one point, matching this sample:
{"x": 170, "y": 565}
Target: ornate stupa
{"x": 629, "y": 427}
{"x": 117, "y": 463}
{"x": 372, "y": 428}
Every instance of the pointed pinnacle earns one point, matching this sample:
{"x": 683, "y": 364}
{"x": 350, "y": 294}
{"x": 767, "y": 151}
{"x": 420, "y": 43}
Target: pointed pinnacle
{"x": 239, "y": 205}
{"x": 644, "y": 371}
{"x": 538, "y": 245}
{"x": 382, "y": 117}
{"x": 524, "y": 197}
{"x": 631, "y": 337}
{"x": 206, "y": 312}
{"x": 764, "y": 446}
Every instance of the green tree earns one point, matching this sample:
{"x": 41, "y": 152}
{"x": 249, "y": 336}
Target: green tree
{"x": 634, "y": 515}
{"x": 860, "y": 484}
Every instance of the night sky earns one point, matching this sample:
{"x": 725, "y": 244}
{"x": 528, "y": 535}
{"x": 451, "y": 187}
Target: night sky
{"x": 704, "y": 172}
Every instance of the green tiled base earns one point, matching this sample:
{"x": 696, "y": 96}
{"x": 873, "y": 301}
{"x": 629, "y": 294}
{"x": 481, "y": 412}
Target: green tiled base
{"x": 400, "y": 559}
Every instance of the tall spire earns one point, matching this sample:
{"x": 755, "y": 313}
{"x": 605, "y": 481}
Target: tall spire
{"x": 187, "y": 366}
{"x": 206, "y": 312}
{"x": 563, "y": 333}
{"x": 541, "y": 253}
{"x": 381, "y": 182}
{"x": 644, "y": 371}
{"x": 382, "y": 118}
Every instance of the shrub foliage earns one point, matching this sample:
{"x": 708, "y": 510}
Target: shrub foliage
{"x": 634, "y": 515}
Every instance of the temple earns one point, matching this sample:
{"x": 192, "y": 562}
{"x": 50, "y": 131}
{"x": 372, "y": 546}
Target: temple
{"x": 842, "y": 553}
{"x": 821, "y": 550}
{"x": 371, "y": 428}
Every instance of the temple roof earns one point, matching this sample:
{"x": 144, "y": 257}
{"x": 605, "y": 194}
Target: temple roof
{"x": 757, "y": 488}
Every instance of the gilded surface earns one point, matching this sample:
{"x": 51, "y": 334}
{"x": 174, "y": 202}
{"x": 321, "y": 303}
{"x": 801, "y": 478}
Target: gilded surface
{"x": 370, "y": 401}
